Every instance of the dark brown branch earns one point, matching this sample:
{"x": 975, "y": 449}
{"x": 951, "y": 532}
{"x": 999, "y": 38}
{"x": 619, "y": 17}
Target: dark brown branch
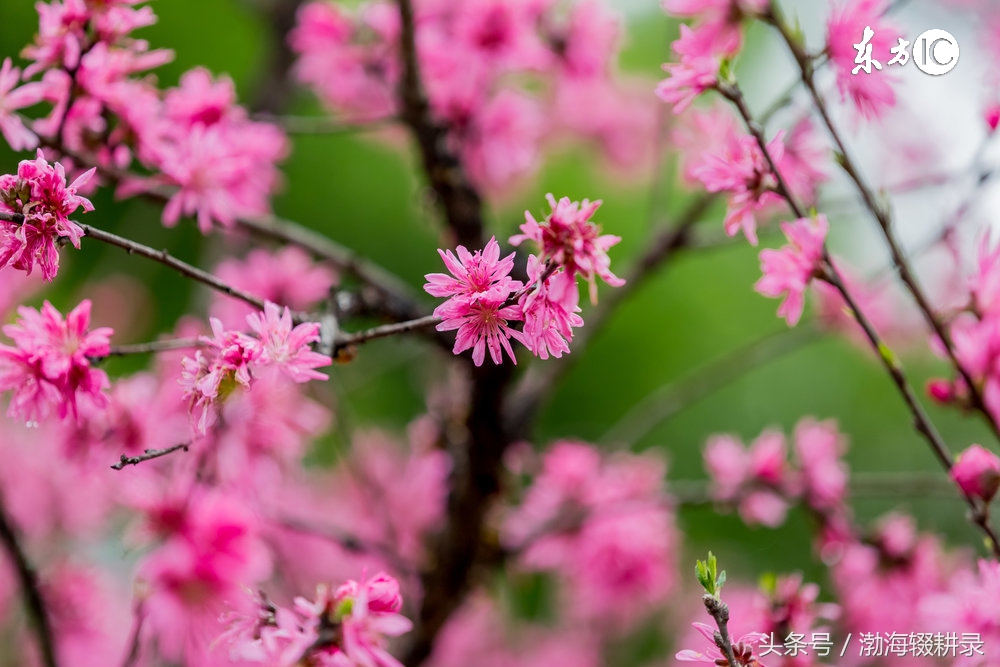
{"x": 28, "y": 580}
{"x": 477, "y": 449}
{"x": 460, "y": 201}
{"x": 148, "y": 456}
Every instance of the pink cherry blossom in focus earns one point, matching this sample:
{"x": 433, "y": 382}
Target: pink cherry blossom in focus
{"x": 49, "y": 366}
{"x": 212, "y": 374}
{"x": 286, "y": 347}
{"x": 977, "y": 472}
{"x": 39, "y": 192}
{"x": 550, "y": 311}
{"x": 568, "y": 237}
{"x": 477, "y": 291}
{"x": 789, "y": 270}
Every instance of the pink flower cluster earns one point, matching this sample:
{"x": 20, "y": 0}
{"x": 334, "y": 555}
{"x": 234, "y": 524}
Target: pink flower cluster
{"x": 343, "y": 627}
{"x": 760, "y": 481}
{"x": 717, "y": 35}
{"x": 49, "y": 367}
{"x": 231, "y": 357}
{"x": 604, "y": 526}
{"x": 39, "y": 193}
{"x": 483, "y": 299}
{"x": 473, "y": 57}
{"x": 211, "y": 550}
{"x": 790, "y": 270}
{"x": 215, "y": 163}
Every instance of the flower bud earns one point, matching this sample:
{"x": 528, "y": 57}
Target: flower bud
{"x": 977, "y": 472}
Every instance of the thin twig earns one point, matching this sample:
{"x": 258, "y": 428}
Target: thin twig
{"x": 148, "y": 456}
{"x": 345, "y": 339}
{"x": 154, "y": 347}
{"x": 161, "y": 256}
{"x": 672, "y": 398}
{"x": 30, "y": 589}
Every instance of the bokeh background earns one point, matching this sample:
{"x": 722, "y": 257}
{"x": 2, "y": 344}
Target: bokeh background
{"x": 701, "y": 308}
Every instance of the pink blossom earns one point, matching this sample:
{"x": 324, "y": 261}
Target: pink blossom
{"x": 13, "y": 98}
{"x": 49, "y": 366}
{"x": 345, "y": 73}
{"x": 481, "y": 324}
{"x": 743, "y": 648}
{"x": 742, "y": 170}
{"x": 39, "y": 193}
{"x": 603, "y": 527}
{"x": 550, "y": 311}
{"x": 719, "y": 19}
{"x": 755, "y": 479}
{"x": 697, "y": 71}
{"x": 478, "y": 288}
{"x": 568, "y": 238}
{"x": 287, "y": 276}
{"x": 288, "y": 348}
{"x": 212, "y": 550}
{"x": 474, "y": 276}
{"x": 365, "y": 613}
{"x": 977, "y": 472}
{"x": 211, "y": 376}
{"x": 801, "y": 164}
{"x": 789, "y": 270}
{"x": 870, "y": 93}
{"x": 992, "y": 117}
{"x": 505, "y": 141}
{"x": 819, "y": 449}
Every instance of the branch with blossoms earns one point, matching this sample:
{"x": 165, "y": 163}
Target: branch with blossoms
{"x": 789, "y": 270}
{"x": 881, "y": 215}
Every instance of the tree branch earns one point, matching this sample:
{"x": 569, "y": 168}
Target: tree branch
{"x": 148, "y": 456}
{"x": 28, "y": 580}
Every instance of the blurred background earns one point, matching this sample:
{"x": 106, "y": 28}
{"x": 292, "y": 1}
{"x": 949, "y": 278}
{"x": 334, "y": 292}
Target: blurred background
{"x": 699, "y": 311}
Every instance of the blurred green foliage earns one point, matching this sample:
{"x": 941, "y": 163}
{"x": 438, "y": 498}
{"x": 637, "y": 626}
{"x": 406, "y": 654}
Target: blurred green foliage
{"x": 701, "y": 307}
